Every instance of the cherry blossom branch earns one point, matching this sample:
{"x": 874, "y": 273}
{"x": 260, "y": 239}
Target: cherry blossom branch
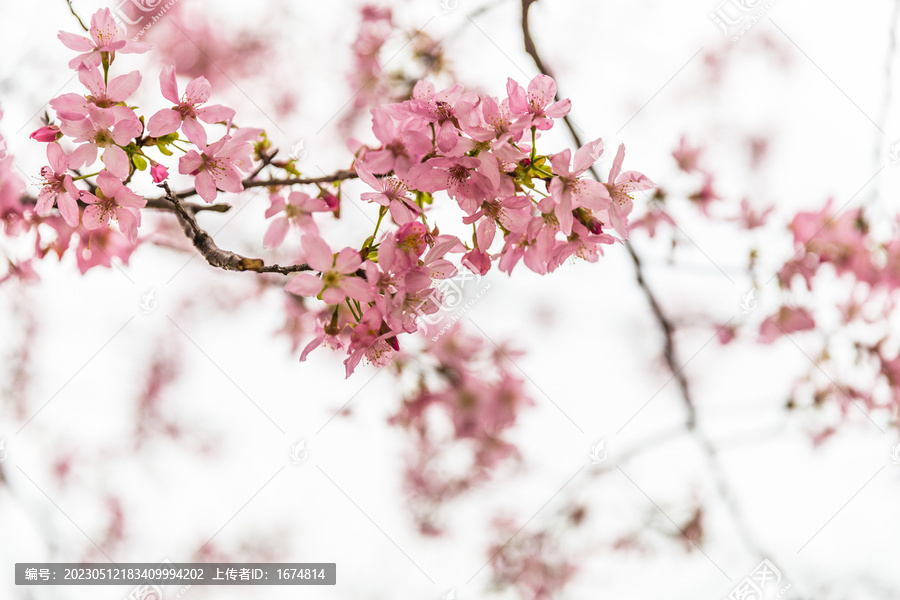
{"x": 215, "y": 256}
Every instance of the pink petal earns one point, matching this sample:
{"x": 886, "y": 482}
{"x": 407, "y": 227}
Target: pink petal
{"x": 543, "y": 89}
{"x": 215, "y": 113}
{"x": 198, "y": 90}
{"x": 318, "y": 254}
{"x": 120, "y": 88}
{"x": 194, "y": 131}
{"x": 92, "y": 80}
{"x": 276, "y": 233}
{"x": 68, "y": 208}
{"x": 94, "y": 217}
{"x": 333, "y": 295}
{"x": 109, "y": 184}
{"x": 617, "y": 164}
{"x": 128, "y": 223}
{"x": 347, "y": 261}
{"x": 357, "y": 288}
{"x": 190, "y": 162}
{"x": 206, "y": 188}
{"x": 75, "y": 42}
{"x": 116, "y": 160}
{"x": 56, "y": 156}
{"x": 168, "y": 85}
{"x": 304, "y": 284}
{"x": 587, "y": 155}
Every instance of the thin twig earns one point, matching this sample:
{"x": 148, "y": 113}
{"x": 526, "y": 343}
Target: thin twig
{"x": 668, "y": 330}
{"x": 75, "y": 14}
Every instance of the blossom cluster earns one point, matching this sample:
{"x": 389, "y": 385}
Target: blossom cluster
{"x": 452, "y": 146}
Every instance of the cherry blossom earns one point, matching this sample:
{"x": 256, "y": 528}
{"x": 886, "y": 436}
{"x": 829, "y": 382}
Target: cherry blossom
{"x": 621, "y": 186}
{"x": 113, "y": 201}
{"x": 187, "y": 110}
{"x": 58, "y": 186}
{"x": 337, "y": 280}
{"x": 106, "y": 39}
{"x": 218, "y": 166}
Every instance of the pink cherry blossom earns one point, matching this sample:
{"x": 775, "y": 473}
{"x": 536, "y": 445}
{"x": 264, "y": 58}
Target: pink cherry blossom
{"x": 59, "y": 187}
{"x": 337, "y": 280}
{"x": 114, "y": 201}
{"x": 106, "y": 37}
{"x": 107, "y": 128}
{"x": 621, "y": 186}
{"x": 187, "y": 110}
{"x": 460, "y": 176}
{"x": 297, "y": 210}
{"x": 687, "y": 156}
{"x": 539, "y": 105}
{"x": 570, "y": 191}
{"x": 390, "y": 192}
{"x": 218, "y": 166}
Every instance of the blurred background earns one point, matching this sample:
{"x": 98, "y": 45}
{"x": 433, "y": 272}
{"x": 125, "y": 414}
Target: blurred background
{"x": 153, "y": 410}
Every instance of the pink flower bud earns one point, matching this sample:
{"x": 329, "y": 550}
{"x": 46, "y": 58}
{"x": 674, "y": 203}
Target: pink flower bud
{"x": 48, "y": 133}
{"x": 159, "y": 173}
{"x": 478, "y": 261}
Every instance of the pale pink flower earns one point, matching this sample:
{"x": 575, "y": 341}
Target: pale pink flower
{"x": 187, "y": 110}
{"x": 337, "y": 280}
{"x": 687, "y": 156}
{"x": 621, "y": 186}
{"x": 75, "y": 106}
{"x": 539, "y": 105}
{"x": 460, "y": 176}
{"x": 114, "y": 201}
{"x": 58, "y": 187}
{"x": 107, "y": 128}
{"x": 390, "y": 192}
{"x": 570, "y": 191}
{"x": 106, "y": 36}
{"x": 297, "y": 210}
{"x": 218, "y": 166}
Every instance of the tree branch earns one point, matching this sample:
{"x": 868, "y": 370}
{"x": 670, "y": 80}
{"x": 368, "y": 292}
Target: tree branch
{"x": 215, "y": 256}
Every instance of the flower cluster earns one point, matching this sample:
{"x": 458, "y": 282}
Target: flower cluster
{"x": 451, "y": 146}
{"x": 480, "y": 153}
